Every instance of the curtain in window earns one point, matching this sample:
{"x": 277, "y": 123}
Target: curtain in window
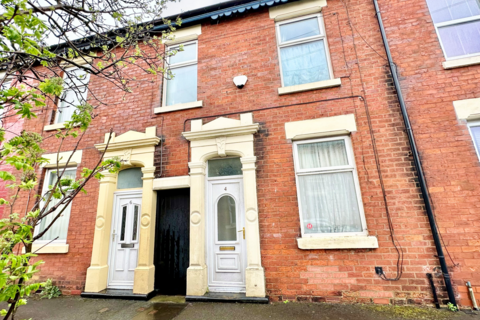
{"x": 448, "y": 10}
{"x": 461, "y": 39}
{"x": 183, "y": 87}
{"x": 60, "y": 227}
{"x": 304, "y": 63}
{"x": 322, "y": 154}
{"x": 329, "y": 203}
{"x": 299, "y": 30}
{"x": 66, "y": 109}
{"x": 458, "y": 38}
{"x": 76, "y": 79}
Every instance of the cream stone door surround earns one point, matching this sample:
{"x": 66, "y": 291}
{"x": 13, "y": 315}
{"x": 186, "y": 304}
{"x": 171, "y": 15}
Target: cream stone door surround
{"x": 136, "y": 149}
{"x": 219, "y": 138}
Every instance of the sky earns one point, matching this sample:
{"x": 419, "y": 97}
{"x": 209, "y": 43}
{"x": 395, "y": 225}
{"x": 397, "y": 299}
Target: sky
{"x": 172, "y": 9}
{"x": 175, "y": 8}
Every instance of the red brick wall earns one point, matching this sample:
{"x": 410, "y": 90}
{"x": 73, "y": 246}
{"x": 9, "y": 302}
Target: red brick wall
{"x": 451, "y": 164}
{"x": 246, "y": 45}
{"x": 13, "y": 126}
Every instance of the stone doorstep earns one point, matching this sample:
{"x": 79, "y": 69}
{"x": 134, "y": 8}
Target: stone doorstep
{"x": 226, "y": 297}
{"x": 118, "y": 294}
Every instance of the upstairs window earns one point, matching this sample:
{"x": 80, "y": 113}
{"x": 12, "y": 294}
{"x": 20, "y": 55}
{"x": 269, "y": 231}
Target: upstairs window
{"x": 74, "y": 93}
{"x": 458, "y": 26}
{"x": 182, "y": 88}
{"x": 303, "y": 51}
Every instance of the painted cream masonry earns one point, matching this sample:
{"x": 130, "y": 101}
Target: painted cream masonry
{"x": 136, "y": 149}
{"x": 219, "y": 138}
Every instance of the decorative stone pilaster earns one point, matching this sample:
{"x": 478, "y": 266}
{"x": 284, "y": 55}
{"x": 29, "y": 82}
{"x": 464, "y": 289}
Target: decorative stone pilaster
{"x": 97, "y": 273}
{"x": 255, "y": 277}
{"x": 197, "y": 271}
{"x": 145, "y": 272}
{"x": 219, "y": 138}
{"x": 135, "y": 149}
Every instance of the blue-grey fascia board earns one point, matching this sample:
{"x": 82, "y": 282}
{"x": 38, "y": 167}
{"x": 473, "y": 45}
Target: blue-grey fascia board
{"x": 211, "y": 15}
{"x": 226, "y": 12}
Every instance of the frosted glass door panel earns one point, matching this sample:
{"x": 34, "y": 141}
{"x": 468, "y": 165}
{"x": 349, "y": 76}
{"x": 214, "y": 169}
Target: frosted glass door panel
{"x": 227, "y": 219}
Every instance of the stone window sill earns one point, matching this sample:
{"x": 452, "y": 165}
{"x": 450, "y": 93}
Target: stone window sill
{"x": 54, "y": 126}
{"x": 181, "y": 106}
{"x": 310, "y": 86}
{"x": 49, "y": 248}
{"x": 458, "y": 63}
{"x": 338, "y": 242}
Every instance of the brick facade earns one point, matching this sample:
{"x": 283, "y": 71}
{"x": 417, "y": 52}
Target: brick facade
{"x": 447, "y": 151}
{"x": 246, "y": 44}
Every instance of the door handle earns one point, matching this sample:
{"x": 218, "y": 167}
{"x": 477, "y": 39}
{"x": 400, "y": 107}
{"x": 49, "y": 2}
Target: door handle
{"x": 243, "y": 230}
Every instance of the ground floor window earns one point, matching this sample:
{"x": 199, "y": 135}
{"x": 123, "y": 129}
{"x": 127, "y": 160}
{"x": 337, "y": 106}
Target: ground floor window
{"x": 328, "y": 189}
{"x": 60, "y": 227}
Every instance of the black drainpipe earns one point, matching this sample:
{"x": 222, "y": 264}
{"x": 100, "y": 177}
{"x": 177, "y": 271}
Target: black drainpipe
{"x": 416, "y": 160}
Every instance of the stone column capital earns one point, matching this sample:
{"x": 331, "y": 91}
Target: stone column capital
{"x": 248, "y": 163}
{"x": 148, "y": 173}
{"x": 197, "y": 168}
{"x": 108, "y": 178}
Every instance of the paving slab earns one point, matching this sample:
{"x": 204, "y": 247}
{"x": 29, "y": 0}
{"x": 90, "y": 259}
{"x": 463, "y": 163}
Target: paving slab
{"x": 314, "y": 311}
{"x": 175, "y": 308}
{"x": 77, "y": 308}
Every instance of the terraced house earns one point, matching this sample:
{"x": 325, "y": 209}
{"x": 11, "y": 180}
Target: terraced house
{"x": 294, "y": 155}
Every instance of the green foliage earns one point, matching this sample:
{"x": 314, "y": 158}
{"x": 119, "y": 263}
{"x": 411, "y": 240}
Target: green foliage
{"x": 38, "y": 78}
{"x": 49, "y": 290}
{"x": 452, "y": 307}
{"x": 17, "y": 269}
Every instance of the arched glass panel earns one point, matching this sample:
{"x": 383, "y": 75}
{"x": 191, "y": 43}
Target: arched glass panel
{"x": 224, "y": 167}
{"x": 130, "y": 178}
{"x": 226, "y": 219}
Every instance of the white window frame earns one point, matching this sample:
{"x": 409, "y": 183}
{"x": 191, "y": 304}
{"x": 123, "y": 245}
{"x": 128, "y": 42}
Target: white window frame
{"x": 351, "y": 167}
{"x": 84, "y": 94}
{"x": 44, "y": 190}
{"x": 321, "y": 36}
{"x": 178, "y": 65}
{"x": 470, "y": 125}
{"x": 452, "y": 23}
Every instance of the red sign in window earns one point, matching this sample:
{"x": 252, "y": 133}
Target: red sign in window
{"x": 309, "y": 226}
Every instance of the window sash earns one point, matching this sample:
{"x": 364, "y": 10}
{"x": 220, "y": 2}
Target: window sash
{"x": 316, "y": 171}
{"x": 348, "y": 149}
{"x": 184, "y": 63}
{"x": 454, "y": 22}
{"x": 67, "y": 211}
{"x": 65, "y": 110}
{"x": 79, "y": 97}
{"x": 476, "y": 143}
{"x": 177, "y": 66}
{"x": 319, "y": 37}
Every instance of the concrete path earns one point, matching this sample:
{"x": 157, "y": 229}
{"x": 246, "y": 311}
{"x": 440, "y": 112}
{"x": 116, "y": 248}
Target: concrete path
{"x": 175, "y": 308}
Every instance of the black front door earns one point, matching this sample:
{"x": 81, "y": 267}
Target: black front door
{"x": 172, "y": 241}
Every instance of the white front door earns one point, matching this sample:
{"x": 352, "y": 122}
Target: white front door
{"x": 226, "y": 248}
{"x": 124, "y": 239}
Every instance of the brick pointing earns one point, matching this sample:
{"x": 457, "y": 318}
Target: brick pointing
{"x": 245, "y": 44}
{"x": 451, "y": 164}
